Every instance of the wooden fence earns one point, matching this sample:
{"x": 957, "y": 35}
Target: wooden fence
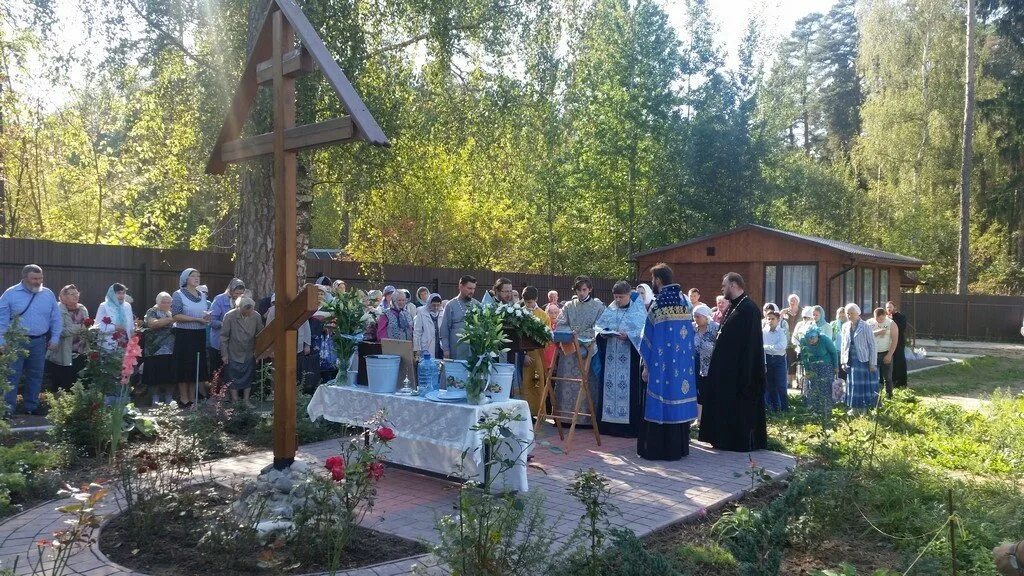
{"x": 974, "y": 317}
{"x": 148, "y": 271}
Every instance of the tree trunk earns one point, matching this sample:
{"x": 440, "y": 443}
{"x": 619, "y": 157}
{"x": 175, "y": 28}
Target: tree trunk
{"x": 254, "y": 251}
{"x": 3, "y": 168}
{"x": 963, "y": 262}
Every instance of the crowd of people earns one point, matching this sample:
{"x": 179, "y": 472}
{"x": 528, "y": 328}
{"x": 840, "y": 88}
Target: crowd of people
{"x": 848, "y": 359}
{"x": 657, "y": 359}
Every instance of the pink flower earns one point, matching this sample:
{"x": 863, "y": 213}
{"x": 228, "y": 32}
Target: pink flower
{"x": 376, "y": 470}
{"x": 334, "y": 462}
{"x": 132, "y": 352}
{"x": 386, "y": 434}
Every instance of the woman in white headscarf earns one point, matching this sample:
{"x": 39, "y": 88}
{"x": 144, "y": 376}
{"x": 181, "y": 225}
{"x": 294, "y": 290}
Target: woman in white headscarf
{"x": 114, "y": 317}
{"x": 646, "y": 294}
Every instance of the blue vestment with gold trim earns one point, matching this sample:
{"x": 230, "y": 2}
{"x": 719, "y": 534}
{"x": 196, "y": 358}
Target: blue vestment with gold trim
{"x": 667, "y": 347}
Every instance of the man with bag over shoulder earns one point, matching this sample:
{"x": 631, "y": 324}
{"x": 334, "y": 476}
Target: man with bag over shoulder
{"x": 35, "y": 308}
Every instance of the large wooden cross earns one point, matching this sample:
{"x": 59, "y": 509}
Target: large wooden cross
{"x": 276, "y": 61}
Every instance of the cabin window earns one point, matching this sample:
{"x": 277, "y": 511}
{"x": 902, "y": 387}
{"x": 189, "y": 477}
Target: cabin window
{"x": 849, "y": 287}
{"x": 711, "y": 250}
{"x": 867, "y": 290}
{"x": 781, "y": 280}
{"x": 883, "y": 286}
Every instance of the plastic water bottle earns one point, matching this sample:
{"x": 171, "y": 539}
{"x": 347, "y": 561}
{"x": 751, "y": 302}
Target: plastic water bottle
{"x": 428, "y": 374}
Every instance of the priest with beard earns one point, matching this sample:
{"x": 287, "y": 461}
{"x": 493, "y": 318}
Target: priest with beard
{"x": 733, "y": 417}
{"x": 670, "y": 392}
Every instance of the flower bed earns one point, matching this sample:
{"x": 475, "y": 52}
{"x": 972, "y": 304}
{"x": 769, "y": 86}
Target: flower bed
{"x": 176, "y": 549}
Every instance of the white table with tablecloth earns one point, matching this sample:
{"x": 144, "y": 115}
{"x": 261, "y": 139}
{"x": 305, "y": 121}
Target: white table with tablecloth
{"x": 432, "y": 436}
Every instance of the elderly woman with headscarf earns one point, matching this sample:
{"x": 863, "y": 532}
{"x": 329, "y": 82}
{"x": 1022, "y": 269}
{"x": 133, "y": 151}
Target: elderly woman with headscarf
{"x": 821, "y": 321}
{"x": 240, "y": 327}
{"x": 836, "y": 326}
{"x": 619, "y": 401}
{"x": 395, "y": 323}
{"x": 703, "y": 347}
{"x": 721, "y": 305}
{"x": 64, "y": 362}
{"x": 158, "y": 364}
{"x": 220, "y": 306}
{"x": 805, "y": 323}
{"x": 426, "y": 330}
{"x": 859, "y": 357}
{"x": 191, "y": 317}
{"x": 820, "y": 361}
{"x": 115, "y": 319}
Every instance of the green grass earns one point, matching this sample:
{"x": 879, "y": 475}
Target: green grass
{"x": 974, "y": 377}
{"x": 889, "y": 474}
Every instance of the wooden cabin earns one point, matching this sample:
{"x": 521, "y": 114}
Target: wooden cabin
{"x": 776, "y": 263}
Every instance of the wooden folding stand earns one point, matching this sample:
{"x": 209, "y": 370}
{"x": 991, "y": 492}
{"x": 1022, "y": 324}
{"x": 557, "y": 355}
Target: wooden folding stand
{"x": 557, "y": 415}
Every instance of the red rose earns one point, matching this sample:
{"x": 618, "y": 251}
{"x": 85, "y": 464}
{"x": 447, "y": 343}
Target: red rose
{"x": 338, "y": 474}
{"x": 88, "y": 322}
{"x": 386, "y": 434}
{"x": 94, "y": 356}
{"x": 107, "y": 320}
{"x": 376, "y": 470}
{"x": 334, "y": 462}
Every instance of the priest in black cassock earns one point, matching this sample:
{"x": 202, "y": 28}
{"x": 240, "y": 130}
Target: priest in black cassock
{"x": 733, "y": 417}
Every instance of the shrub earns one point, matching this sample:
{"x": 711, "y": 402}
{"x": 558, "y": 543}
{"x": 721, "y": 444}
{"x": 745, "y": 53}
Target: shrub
{"x": 497, "y": 535}
{"x": 26, "y": 471}
{"x": 626, "y": 556}
{"x": 336, "y": 504}
{"x": 80, "y": 421}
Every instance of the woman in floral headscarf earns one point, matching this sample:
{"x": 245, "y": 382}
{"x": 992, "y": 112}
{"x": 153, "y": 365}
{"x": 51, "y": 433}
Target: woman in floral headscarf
{"x": 820, "y": 360}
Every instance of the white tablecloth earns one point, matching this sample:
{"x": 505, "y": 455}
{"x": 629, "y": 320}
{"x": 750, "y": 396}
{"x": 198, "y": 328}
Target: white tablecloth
{"x": 431, "y": 435}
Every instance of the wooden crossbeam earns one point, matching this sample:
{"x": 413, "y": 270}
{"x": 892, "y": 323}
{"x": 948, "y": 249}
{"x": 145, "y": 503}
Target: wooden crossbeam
{"x": 296, "y": 138}
{"x": 288, "y": 316}
{"x": 296, "y": 63}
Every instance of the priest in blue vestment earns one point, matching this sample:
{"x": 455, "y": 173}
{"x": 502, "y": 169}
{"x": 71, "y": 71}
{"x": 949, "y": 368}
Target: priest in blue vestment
{"x": 620, "y": 395}
{"x": 667, "y": 348}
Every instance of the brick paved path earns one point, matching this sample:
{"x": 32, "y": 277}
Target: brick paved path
{"x": 649, "y": 496}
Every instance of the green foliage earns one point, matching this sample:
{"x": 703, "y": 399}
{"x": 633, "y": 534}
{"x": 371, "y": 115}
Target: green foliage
{"x": 496, "y": 535}
{"x": 920, "y": 452}
{"x": 484, "y": 332}
{"x": 626, "y": 556}
{"x": 14, "y": 348}
{"x": 574, "y": 135}
{"x": 26, "y": 471}
{"x": 690, "y": 557}
{"x": 80, "y": 421}
{"x": 346, "y": 313}
{"x": 757, "y": 539}
{"x": 306, "y": 430}
{"x": 519, "y": 321}
{"x": 591, "y": 489}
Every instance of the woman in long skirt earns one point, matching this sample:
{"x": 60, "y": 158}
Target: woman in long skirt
{"x": 860, "y": 360}
{"x": 820, "y": 360}
{"x": 191, "y": 317}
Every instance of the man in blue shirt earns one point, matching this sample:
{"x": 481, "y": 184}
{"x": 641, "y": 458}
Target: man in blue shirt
{"x": 36, "y": 309}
